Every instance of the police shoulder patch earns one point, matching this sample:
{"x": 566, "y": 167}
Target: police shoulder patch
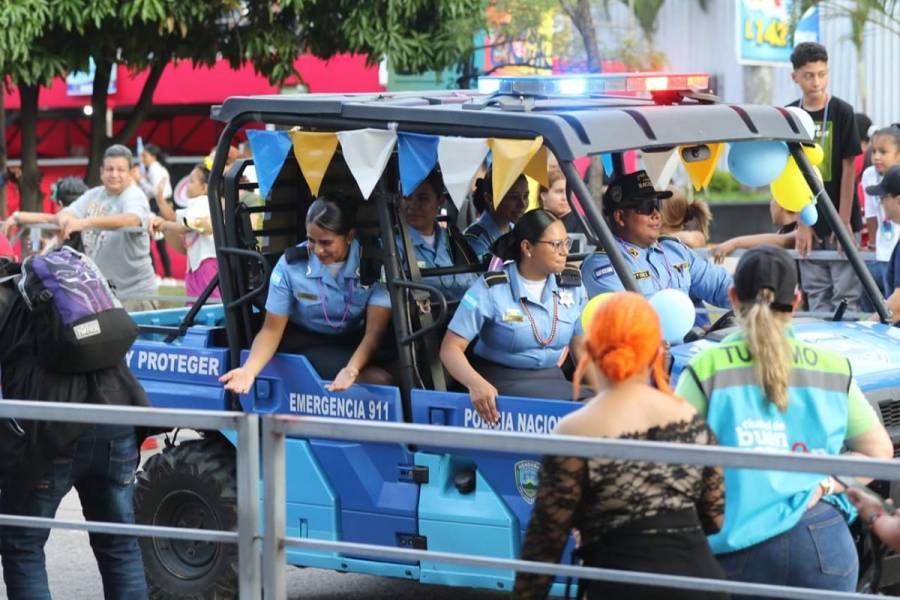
{"x": 603, "y": 271}
{"x": 492, "y": 278}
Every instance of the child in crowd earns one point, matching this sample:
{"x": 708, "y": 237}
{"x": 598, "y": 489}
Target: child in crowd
{"x": 688, "y": 220}
{"x": 888, "y": 192}
{"x": 828, "y": 282}
{"x": 883, "y": 232}
{"x": 784, "y": 220}
{"x": 191, "y": 234}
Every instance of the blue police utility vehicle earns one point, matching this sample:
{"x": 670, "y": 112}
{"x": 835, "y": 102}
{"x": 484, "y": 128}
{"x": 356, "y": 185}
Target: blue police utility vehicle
{"x": 395, "y": 495}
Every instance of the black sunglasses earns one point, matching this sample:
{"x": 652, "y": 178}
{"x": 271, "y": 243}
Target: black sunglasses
{"x": 646, "y": 206}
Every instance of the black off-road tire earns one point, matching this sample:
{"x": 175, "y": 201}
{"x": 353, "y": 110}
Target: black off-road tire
{"x": 190, "y": 485}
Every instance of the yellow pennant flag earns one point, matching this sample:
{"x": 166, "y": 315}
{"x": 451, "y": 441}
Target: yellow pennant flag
{"x": 700, "y": 163}
{"x": 314, "y": 151}
{"x": 537, "y": 167}
{"x": 511, "y": 157}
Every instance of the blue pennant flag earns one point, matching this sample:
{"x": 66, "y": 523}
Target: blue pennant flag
{"x": 269, "y": 151}
{"x": 606, "y": 159}
{"x": 418, "y": 156}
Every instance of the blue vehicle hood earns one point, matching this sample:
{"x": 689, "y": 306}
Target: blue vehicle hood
{"x": 872, "y": 348}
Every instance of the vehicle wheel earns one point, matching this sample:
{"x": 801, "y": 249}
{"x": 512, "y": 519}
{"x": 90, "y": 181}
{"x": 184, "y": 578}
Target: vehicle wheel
{"x": 189, "y": 485}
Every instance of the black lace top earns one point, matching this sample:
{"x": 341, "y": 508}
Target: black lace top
{"x": 598, "y": 495}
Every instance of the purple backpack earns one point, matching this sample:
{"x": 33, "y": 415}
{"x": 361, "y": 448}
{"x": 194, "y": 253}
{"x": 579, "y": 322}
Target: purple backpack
{"x": 80, "y": 325}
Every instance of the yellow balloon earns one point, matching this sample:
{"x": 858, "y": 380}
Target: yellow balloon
{"x": 790, "y": 190}
{"x": 815, "y": 154}
{"x": 591, "y": 307}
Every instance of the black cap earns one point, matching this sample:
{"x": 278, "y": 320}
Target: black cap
{"x": 767, "y": 267}
{"x": 889, "y": 185}
{"x": 627, "y": 191}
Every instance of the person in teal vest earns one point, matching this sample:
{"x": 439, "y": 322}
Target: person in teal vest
{"x": 764, "y": 389}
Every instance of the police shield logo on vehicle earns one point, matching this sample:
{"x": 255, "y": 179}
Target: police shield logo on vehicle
{"x": 527, "y": 475}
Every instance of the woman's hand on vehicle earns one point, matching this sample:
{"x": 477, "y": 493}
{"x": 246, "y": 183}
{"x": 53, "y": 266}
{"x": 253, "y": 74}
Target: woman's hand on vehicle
{"x": 238, "y": 380}
{"x": 484, "y": 399}
{"x": 721, "y": 251}
{"x": 343, "y": 380}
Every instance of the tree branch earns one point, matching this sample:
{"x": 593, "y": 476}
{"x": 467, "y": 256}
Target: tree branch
{"x": 139, "y": 113}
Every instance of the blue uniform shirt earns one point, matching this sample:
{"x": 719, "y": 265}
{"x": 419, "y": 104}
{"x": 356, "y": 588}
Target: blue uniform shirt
{"x": 482, "y": 234}
{"x": 666, "y": 264}
{"x": 428, "y": 257}
{"x": 499, "y": 315}
{"x": 892, "y": 278}
{"x": 305, "y": 291}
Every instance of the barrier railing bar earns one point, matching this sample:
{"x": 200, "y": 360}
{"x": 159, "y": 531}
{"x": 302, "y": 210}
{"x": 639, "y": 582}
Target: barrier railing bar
{"x": 273, "y": 554}
{"x": 250, "y": 580}
{"x": 633, "y": 577}
{"x": 176, "y": 533}
{"x": 114, "y": 415}
{"x": 564, "y": 445}
{"x": 813, "y": 255}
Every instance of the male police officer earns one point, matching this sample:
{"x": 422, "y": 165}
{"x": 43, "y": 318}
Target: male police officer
{"x": 631, "y": 205}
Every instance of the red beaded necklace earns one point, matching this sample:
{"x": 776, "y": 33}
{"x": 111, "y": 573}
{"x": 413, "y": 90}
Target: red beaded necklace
{"x": 534, "y": 328}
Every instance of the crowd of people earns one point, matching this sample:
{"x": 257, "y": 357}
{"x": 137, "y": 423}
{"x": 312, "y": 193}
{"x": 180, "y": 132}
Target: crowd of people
{"x": 518, "y": 330}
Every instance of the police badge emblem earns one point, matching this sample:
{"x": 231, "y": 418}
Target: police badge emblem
{"x": 526, "y": 473}
{"x": 566, "y": 298}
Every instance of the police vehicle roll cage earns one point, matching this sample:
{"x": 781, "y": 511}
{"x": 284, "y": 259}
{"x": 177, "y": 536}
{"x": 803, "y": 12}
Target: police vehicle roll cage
{"x": 587, "y": 124}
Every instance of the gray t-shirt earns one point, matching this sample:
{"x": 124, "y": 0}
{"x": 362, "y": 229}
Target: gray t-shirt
{"x": 123, "y": 257}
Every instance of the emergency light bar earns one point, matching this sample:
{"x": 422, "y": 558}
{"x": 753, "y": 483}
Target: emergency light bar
{"x": 594, "y": 84}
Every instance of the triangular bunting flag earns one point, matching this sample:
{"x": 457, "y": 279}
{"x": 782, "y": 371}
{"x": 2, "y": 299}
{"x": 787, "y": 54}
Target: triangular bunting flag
{"x": 313, "y": 151}
{"x": 510, "y": 159}
{"x": 269, "y": 151}
{"x": 418, "y": 154}
{"x": 701, "y": 171}
{"x": 367, "y": 152}
{"x": 606, "y": 159}
{"x": 460, "y": 158}
{"x": 660, "y": 167}
{"x": 537, "y": 167}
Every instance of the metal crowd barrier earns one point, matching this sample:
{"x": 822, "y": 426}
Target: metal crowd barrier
{"x": 276, "y": 428}
{"x": 814, "y": 255}
{"x": 247, "y": 537}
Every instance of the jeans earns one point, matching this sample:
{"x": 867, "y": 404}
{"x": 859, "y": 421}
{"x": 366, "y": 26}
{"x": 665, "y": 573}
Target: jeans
{"x": 102, "y": 471}
{"x": 817, "y": 553}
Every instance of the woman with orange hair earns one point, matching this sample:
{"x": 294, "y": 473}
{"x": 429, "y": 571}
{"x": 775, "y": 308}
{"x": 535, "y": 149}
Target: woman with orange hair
{"x": 632, "y": 515}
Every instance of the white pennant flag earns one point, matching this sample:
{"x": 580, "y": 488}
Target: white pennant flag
{"x": 660, "y": 167}
{"x": 460, "y": 158}
{"x": 366, "y": 152}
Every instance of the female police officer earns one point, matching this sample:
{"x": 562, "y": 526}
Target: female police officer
{"x": 525, "y": 316}
{"x": 631, "y": 205}
{"x": 495, "y": 220}
{"x": 315, "y": 286}
{"x": 433, "y": 245}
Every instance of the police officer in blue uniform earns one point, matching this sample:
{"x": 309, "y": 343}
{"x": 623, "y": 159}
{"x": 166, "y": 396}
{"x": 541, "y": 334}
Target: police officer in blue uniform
{"x": 631, "y": 205}
{"x": 433, "y": 245}
{"x": 316, "y": 296}
{"x": 494, "y": 221}
{"x": 525, "y": 316}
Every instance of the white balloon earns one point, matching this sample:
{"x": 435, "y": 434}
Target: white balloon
{"x": 806, "y": 122}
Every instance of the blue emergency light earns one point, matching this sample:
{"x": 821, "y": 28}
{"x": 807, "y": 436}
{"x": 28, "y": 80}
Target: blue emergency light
{"x": 594, "y": 84}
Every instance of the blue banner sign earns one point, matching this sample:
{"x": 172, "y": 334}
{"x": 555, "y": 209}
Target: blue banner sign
{"x": 763, "y": 31}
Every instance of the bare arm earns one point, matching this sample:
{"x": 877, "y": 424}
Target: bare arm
{"x": 848, "y": 180}
{"x": 482, "y": 393}
{"x": 265, "y": 344}
{"x": 872, "y": 228}
{"x": 875, "y": 443}
{"x": 23, "y": 219}
{"x": 165, "y": 209}
{"x": 377, "y": 319}
{"x": 893, "y": 304}
{"x": 70, "y": 224}
{"x": 744, "y": 242}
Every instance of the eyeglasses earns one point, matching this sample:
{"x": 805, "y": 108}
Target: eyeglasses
{"x": 647, "y": 206}
{"x": 559, "y": 245}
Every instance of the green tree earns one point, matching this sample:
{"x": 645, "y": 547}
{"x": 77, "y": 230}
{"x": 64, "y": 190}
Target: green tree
{"x": 149, "y": 34}
{"x": 861, "y": 13}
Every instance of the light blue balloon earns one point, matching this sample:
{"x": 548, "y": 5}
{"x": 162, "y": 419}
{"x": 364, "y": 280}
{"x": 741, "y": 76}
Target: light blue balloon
{"x": 757, "y": 163}
{"x": 676, "y": 314}
{"x": 809, "y": 215}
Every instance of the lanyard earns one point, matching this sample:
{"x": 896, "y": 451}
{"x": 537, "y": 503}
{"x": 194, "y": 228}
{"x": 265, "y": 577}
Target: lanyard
{"x": 652, "y": 269}
{"x": 534, "y": 327}
{"x": 347, "y": 301}
{"x": 824, "y": 120}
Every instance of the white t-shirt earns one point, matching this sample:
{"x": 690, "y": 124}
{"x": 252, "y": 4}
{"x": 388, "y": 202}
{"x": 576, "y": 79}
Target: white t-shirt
{"x": 156, "y": 173}
{"x": 533, "y": 289}
{"x": 200, "y": 246}
{"x": 335, "y": 268}
{"x": 429, "y": 239}
{"x": 885, "y": 240}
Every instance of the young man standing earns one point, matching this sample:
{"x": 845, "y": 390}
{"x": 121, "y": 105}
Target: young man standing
{"x": 827, "y": 282}
{"x": 889, "y": 192}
